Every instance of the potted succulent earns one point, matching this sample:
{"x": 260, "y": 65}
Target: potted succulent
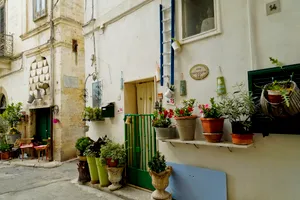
{"x": 13, "y": 116}
{"x": 101, "y": 166}
{"x": 238, "y": 108}
{"x": 160, "y": 174}
{"x": 115, "y": 156}
{"x": 186, "y": 122}
{"x": 212, "y": 121}
{"x": 5, "y": 151}
{"x": 162, "y": 124}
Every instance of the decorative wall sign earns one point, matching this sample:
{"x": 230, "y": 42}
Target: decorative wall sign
{"x": 171, "y": 101}
{"x": 199, "y": 72}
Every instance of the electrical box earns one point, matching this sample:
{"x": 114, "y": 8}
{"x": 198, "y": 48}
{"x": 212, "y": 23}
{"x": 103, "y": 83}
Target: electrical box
{"x": 108, "y": 110}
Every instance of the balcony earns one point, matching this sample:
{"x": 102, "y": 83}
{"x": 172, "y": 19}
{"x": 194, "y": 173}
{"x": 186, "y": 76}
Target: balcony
{"x": 6, "y": 50}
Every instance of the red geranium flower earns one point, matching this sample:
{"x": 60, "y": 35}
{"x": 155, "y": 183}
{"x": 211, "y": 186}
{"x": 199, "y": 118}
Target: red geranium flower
{"x": 190, "y": 109}
{"x": 181, "y": 111}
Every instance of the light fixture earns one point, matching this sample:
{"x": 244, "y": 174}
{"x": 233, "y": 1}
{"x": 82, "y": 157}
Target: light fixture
{"x": 31, "y": 98}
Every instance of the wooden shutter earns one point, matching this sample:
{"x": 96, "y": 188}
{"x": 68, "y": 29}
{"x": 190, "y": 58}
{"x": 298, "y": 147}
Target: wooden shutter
{"x": 2, "y": 20}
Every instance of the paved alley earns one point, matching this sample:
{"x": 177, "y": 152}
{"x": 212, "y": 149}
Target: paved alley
{"x": 28, "y": 183}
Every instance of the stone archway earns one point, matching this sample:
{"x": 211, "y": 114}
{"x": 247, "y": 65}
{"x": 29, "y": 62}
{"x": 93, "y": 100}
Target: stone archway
{"x": 3, "y": 100}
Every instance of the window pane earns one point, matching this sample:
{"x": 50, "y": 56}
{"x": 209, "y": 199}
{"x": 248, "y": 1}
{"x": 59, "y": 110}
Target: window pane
{"x": 37, "y": 6}
{"x": 198, "y": 17}
{"x": 43, "y": 4}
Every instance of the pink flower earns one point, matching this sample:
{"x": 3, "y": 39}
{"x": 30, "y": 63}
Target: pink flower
{"x": 201, "y": 111}
{"x": 206, "y": 106}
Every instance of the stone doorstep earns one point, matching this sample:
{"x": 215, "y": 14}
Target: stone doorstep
{"x": 127, "y": 192}
{"x": 32, "y": 163}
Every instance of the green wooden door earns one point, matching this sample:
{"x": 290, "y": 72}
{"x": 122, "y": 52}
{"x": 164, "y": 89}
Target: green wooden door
{"x": 43, "y": 126}
{"x": 140, "y": 140}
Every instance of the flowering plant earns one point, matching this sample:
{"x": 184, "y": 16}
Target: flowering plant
{"x": 210, "y": 112}
{"x": 187, "y": 109}
{"x": 162, "y": 118}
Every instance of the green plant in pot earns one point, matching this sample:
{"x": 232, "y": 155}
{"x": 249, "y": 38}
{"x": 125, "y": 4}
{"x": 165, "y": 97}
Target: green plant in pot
{"x": 3, "y": 129}
{"x": 13, "y": 116}
{"x": 98, "y": 114}
{"x": 186, "y": 121}
{"x": 162, "y": 123}
{"x": 88, "y": 114}
{"x": 81, "y": 145}
{"x": 160, "y": 174}
{"x": 279, "y": 91}
{"x": 212, "y": 121}
{"x": 238, "y": 108}
{"x": 5, "y": 150}
{"x": 115, "y": 156}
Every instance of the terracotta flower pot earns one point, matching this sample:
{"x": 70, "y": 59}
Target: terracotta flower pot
{"x": 5, "y": 155}
{"x": 213, "y": 137}
{"x": 115, "y": 176}
{"x": 186, "y": 127}
{"x": 212, "y": 125}
{"x": 112, "y": 163}
{"x": 160, "y": 182}
{"x": 274, "y": 96}
{"x": 242, "y": 139}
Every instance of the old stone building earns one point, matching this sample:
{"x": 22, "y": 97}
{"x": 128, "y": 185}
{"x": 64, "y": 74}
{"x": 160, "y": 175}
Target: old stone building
{"x": 42, "y": 66}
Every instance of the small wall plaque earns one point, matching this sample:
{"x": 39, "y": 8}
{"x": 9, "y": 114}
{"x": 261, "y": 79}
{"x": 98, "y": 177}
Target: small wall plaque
{"x": 199, "y": 72}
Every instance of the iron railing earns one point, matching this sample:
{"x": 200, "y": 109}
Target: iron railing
{"x": 6, "y": 45}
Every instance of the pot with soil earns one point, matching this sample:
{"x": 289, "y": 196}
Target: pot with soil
{"x": 212, "y": 122}
{"x": 162, "y": 124}
{"x": 241, "y": 134}
{"x": 83, "y": 167}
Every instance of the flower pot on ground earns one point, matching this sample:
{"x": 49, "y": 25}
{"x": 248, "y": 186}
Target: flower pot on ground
{"x": 238, "y": 108}
{"x": 115, "y": 176}
{"x": 160, "y": 174}
{"x": 92, "y": 152}
{"x": 5, "y": 151}
{"x": 212, "y": 123}
{"x": 162, "y": 124}
{"x": 117, "y": 153}
{"x": 186, "y": 122}
{"x": 102, "y": 173}
{"x": 83, "y": 169}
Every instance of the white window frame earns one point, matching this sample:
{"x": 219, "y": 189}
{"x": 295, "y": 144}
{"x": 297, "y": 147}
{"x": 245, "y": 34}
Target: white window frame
{"x": 42, "y": 13}
{"x": 212, "y": 32}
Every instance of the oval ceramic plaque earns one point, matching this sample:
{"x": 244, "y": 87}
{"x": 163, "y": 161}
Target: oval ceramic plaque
{"x": 199, "y": 72}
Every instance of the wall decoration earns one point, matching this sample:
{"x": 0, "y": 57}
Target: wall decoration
{"x": 160, "y": 96}
{"x": 97, "y": 94}
{"x": 199, "y": 72}
{"x": 182, "y": 86}
{"x": 171, "y": 101}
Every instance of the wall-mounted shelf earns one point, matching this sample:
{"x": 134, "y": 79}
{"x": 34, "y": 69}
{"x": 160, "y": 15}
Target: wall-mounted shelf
{"x": 197, "y": 143}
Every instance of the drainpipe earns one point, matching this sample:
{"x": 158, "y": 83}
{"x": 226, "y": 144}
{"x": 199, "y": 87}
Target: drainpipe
{"x": 253, "y": 61}
{"x": 52, "y": 73}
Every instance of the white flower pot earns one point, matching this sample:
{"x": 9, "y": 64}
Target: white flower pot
{"x": 176, "y": 46}
{"x": 169, "y": 94}
{"x": 115, "y": 176}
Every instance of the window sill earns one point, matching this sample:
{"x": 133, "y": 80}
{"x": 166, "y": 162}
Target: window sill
{"x": 200, "y": 36}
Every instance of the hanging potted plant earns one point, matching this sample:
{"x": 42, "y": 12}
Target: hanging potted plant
{"x": 186, "y": 122}
{"x": 162, "y": 124}
{"x": 279, "y": 91}
{"x": 13, "y": 116}
{"x": 114, "y": 155}
{"x": 212, "y": 121}
{"x": 101, "y": 166}
{"x": 238, "y": 108}
{"x": 160, "y": 174}
{"x": 81, "y": 145}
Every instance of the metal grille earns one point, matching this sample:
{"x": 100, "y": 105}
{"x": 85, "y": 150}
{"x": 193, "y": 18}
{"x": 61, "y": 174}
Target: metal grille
{"x": 6, "y": 45}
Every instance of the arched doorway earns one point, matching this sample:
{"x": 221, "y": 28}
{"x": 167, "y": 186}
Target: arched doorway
{"x": 2, "y": 103}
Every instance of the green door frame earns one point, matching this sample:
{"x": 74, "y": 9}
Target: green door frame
{"x": 140, "y": 141}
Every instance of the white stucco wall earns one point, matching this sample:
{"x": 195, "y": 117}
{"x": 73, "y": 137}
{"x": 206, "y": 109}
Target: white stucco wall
{"x": 131, "y": 44}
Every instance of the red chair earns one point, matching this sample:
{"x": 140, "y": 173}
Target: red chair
{"x": 25, "y": 143}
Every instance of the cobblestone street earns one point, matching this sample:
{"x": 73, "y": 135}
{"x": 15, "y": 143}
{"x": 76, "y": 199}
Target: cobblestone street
{"x": 28, "y": 183}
